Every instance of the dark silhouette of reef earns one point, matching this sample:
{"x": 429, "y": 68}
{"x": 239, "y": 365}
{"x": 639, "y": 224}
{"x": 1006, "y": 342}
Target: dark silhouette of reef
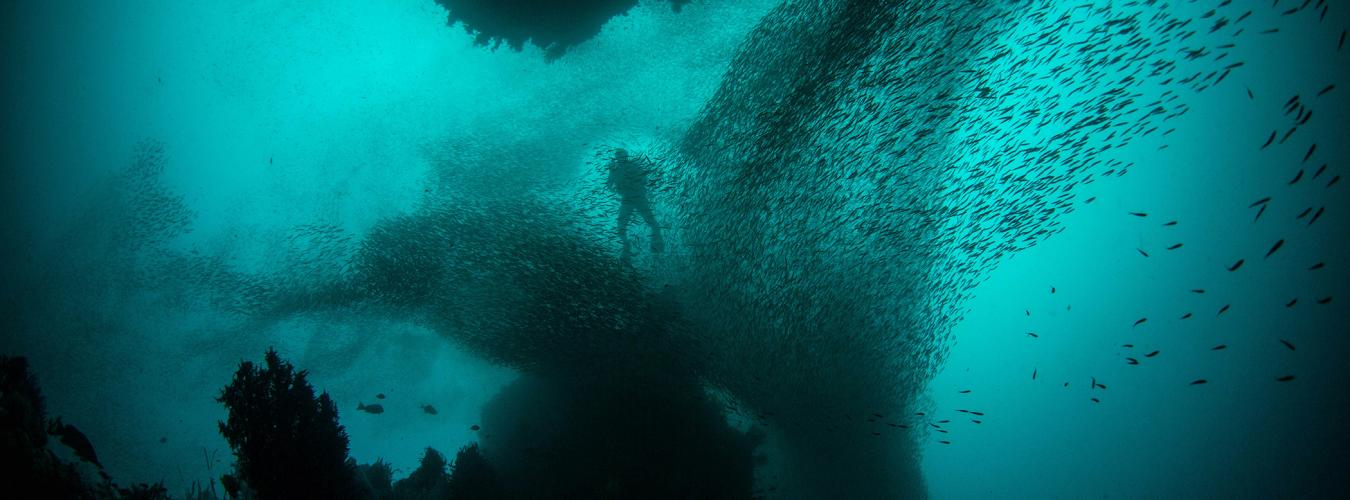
{"x": 287, "y": 443}
{"x": 26, "y": 454}
{"x": 590, "y": 435}
{"x": 552, "y": 25}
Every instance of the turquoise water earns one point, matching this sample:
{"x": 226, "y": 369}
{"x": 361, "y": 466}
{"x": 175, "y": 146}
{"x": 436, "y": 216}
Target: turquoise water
{"x": 866, "y": 208}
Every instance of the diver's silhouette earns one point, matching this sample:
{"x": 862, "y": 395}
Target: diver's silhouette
{"x": 628, "y": 179}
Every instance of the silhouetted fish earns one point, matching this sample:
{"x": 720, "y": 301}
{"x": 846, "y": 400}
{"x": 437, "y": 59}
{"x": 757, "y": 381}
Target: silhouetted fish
{"x": 1139, "y": 214}
{"x": 1291, "y": 302}
{"x": 1236, "y": 265}
{"x": 428, "y": 409}
{"x": 1152, "y": 354}
{"x": 379, "y": 396}
{"x": 1142, "y": 252}
{"x": 474, "y": 427}
{"x": 1186, "y": 316}
{"x": 1219, "y": 347}
{"x": 1274, "y": 248}
{"x": 1285, "y": 378}
{"x": 374, "y": 409}
{"x": 1139, "y": 321}
{"x": 75, "y": 440}
{"x": 1316, "y": 215}
{"x": 1287, "y": 344}
{"x": 1223, "y": 309}
{"x": 1324, "y": 300}
{"x": 1199, "y": 381}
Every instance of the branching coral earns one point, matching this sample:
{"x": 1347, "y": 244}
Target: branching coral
{"x": 287, "y": 442}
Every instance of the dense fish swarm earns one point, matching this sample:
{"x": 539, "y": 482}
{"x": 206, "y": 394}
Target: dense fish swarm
{"x": 862, "y": 167}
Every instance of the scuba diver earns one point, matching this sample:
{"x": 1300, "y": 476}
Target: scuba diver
{"x": 628, "y": 179}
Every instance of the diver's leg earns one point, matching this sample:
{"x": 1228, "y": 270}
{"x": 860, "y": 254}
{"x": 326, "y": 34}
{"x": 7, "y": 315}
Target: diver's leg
{"x": 625, "y": 212}
{"x": 645, "y": 210}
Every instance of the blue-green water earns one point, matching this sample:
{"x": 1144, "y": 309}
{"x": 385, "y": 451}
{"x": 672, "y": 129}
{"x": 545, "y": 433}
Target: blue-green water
{"x": 867, "y": 209}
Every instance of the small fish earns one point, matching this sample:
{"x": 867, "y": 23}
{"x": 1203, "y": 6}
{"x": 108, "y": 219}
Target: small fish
{"x": 1309, "y": 154}
{"x": 1274, "y": 248}
{"x": 1287, "y": 344}
{"x": 1127, "y": 346}
{"x": 1152, "y": 354}
{"x": 977, "y": 413}
{"x": 1223, "y": 309}
{"x": 1139, "y": 214}
{"x": 1033, "y": 374}
{"x": 1197, "y": 290}
{"x": 967, "y": 391}
{"x": 1273, "y": 133}
{"x": 1316, "y": 214}
{"x": 1261, "y": 201}
{"x": 1297, "y": 176}
{"x": 1033, "y": 335}
{"x": 1186, "y": 316}
{"x": 1199, "y": 381}
{"x": 1236, "y": 265}
{"x": 1139, "y": 321}
{"x": 474, "y": 427}
{"x": 1095, "y": 400}
{"x": 1285, "y": 378}
{"x": 1292, "y": 302}
{"x": 1142, "y": 252}
{"x": 1333, "y": 180}
{"x": 75, "y": 440}
{"x": 1170, "y": 223}
{"x": 945, "y": 442}
{"x": 1219, "y": 347}
{"x": 1316, "y": 266}
{"x": 1259, "y": 213}
{"x": 1132, "y": 361}
{"x": 1090, "y": 200}
{"x": 1174, "y": 247}
{"x": 1325, "y": 90}
{"x": 373, "y": 409}
{"x": 428, "y": 409}
{"x": 1319, "y": 171}
{"x": 1052, "y": 290}
{"x": 977, "y": 421}
{"x": 1324, "y": 300}
{"x": 379, "y": 396}
{"x": 1250, "y": 95}
{"x": 944, "y": 421}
